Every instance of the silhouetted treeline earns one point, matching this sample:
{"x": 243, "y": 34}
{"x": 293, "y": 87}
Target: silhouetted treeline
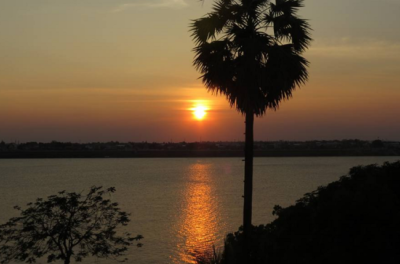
{"x": 353, "y": 220}
{"x": 57, "y": 149}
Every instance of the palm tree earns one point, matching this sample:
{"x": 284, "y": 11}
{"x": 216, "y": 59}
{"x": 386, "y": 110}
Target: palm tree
{"x": 250, "y": 51}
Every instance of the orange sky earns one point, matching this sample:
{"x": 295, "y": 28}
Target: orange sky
{"x": 122, "y": 70}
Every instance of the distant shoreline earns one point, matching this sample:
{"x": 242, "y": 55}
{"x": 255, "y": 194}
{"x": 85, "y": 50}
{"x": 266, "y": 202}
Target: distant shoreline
{"x": 193, "y": 153}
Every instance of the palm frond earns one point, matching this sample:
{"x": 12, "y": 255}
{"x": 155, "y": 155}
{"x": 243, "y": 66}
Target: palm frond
{"x": 291, "y": 29}
{"x": 221, "y": 5}
{"x": 287, "y": 25}
{"x": 284, "y": 71}
{"x": 206, "y": 28}
{"x": 286, "y": 6}
{"x": 214, "y": 61}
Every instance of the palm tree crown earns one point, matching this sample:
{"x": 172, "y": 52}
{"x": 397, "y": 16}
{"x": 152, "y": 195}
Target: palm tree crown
{"x": 250, "y": 51}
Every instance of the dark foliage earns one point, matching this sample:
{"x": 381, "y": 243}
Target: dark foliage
{"x": 65, "y": 226}
{"x": 353, "y": 220}
{"x": 250, "y": 51}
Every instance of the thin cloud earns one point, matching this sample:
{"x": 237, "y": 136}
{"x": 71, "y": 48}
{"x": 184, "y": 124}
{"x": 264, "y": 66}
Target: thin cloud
{"x": 151, "y": 4}
{"x": 352, "y": 48}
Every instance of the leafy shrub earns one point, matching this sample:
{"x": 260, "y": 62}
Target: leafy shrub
{"x": 353, "y": 220}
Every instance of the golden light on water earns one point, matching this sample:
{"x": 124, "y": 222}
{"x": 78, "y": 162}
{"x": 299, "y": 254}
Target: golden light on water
{"x": 200, "y": 215}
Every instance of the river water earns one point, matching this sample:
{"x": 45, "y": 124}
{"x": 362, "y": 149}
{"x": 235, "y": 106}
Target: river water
{"x": 181, "y": 206}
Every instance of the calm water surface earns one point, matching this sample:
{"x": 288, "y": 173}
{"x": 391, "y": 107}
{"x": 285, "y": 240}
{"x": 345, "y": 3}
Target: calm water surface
{"x": 180, "y": 206}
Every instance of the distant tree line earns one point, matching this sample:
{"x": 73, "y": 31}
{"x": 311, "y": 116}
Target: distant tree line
{"x": 208, "y": 145}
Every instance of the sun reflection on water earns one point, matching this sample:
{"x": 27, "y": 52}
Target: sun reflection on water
{"x": 198, "y": 227}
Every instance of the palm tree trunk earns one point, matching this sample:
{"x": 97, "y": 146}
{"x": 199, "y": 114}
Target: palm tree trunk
{"x": 248, "y": 175}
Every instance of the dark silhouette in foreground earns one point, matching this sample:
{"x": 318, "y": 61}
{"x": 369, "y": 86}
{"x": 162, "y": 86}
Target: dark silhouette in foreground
{"x": 65, "y": 226}
{"x": 250, "y": 51}
{"x": 353, "y": 220}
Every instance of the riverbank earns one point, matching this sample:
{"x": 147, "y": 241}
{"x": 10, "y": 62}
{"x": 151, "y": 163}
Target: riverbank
{"x": 46, "y": 154}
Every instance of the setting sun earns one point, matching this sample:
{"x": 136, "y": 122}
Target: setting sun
{"x": 199, "y": 112}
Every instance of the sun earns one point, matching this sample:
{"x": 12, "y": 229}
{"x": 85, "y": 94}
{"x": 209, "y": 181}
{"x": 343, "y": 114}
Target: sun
{"x": 199, "y": 112}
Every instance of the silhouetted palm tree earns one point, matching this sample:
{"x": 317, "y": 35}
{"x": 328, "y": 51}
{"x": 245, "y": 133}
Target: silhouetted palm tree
{"x": 250, "y": 51}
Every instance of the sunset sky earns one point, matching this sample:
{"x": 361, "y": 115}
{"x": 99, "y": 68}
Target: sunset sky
{"x": 102, "y": 70}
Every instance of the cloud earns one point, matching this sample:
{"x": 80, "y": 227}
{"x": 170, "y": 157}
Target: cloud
{"x": 357, "y": 48}
{"x": 151, "y": 4}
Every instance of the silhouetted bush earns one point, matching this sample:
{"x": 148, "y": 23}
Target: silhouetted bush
{"x": 65, "y": 226}
{"x": 353, "y": 220}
